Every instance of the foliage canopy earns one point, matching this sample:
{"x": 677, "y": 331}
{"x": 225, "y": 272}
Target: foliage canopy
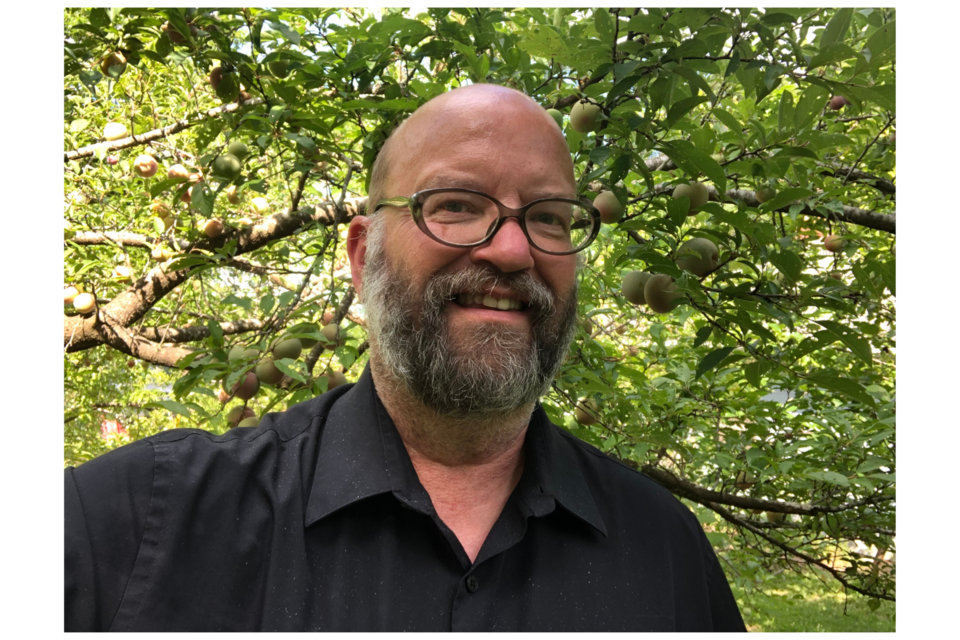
{"x": 770, "y": 388}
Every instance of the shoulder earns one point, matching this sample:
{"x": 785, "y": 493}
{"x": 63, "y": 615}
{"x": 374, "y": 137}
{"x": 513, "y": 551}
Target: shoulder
{"x": 620, "y": 489}
{"x": 182, "y": 453}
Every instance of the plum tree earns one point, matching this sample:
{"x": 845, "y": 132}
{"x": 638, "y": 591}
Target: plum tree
{"x": 84, "y": 303}
{"x": 227, "y": 166}
{"x": 838, "y": 102}
{"x": 268, "y": 372}
{"x": 587, "y": 411}
{"x": 765, "y": 194}
{"x": 113, "y": 64}
{"x": 245, "y": 388}
{"x": 289, "y": 348}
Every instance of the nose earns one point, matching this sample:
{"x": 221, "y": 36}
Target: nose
{"x": 508, "y": 249}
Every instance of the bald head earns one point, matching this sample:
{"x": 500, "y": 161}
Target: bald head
{"x": 475, "y": 111}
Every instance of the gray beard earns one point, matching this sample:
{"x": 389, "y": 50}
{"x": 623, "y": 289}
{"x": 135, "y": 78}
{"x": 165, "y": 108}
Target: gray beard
{"x": 486, "y": 371}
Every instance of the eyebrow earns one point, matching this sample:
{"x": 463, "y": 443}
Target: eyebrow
{"x": 450, "y": 181}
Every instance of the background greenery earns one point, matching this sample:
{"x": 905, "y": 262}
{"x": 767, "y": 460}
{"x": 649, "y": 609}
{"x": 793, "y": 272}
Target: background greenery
{"x": 770, "y": 389}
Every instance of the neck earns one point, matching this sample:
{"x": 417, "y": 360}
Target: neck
{"x": 469, "y": 467}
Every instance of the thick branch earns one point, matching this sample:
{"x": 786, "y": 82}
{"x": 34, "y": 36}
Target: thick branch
{"x": 838, "y": 171}
{"x": 195, "y": 333}
{"x": 701, "y": 495}
{"x": 870, "y": 219}
{"x": 123, "y": 238}
{"x": 157, "y": 134}
{"x": 80, "y": 332}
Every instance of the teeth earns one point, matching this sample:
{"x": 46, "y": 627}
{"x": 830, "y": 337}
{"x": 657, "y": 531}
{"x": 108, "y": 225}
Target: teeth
{"x": 503, "y": 304}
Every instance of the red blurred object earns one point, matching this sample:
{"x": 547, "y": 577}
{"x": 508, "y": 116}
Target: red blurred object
{"x": 108, "y": 427}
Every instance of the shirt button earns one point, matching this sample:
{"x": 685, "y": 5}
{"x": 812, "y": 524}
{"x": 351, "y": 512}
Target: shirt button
{"x": 472, "y": 584}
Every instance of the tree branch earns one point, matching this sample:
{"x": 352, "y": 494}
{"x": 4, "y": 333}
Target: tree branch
{"x": 195, "y": 333}
{"x": 157, "y": 134}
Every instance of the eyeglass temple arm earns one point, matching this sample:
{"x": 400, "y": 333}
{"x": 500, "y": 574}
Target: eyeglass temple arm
{"x": 394, "y": 202}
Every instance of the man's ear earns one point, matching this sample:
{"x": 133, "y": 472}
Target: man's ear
{"x": 357, "y": 251}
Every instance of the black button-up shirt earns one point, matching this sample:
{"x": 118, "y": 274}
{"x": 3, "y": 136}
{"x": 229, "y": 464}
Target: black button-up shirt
{"x": 316, "y": 520}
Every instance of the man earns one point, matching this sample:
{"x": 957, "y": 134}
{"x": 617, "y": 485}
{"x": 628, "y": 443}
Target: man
{"x": 434, "y": 494}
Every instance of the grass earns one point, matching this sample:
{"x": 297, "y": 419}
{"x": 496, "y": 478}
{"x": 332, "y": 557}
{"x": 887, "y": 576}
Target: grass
{"x": 789, "y": 602}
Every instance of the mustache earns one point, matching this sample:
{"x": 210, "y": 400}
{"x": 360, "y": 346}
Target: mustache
{"x": 445, "y": 286}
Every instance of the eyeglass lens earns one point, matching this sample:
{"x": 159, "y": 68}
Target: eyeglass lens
{"x": 467, "y": 218}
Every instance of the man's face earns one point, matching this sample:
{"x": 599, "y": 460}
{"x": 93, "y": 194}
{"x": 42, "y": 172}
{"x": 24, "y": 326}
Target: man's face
{"x": 429, "y": 305}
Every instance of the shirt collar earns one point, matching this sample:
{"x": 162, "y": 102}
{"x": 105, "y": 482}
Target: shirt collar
{"x": 362, "y": 455}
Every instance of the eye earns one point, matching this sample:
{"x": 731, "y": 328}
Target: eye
{"x": 547, "y": 218}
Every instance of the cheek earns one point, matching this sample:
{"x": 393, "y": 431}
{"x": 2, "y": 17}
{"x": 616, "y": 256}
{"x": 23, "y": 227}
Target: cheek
{"x": 418, "y": 254}
{"x": 559, "y": 273}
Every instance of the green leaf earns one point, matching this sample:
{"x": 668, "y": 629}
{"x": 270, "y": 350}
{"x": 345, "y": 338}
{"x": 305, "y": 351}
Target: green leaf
{"x": 682, "y": 108}
{"x": 788, "y": 263}
{"x": 713, "y": 359}
{"x": 882, "y": 39}
{"x": 733, "y": 65}
{"x": 702, "y": 334}
{"x": 701, "y": 161}
{"x": 836, "y": 29}
{"x": 785, "y": 197}
{"x": 831, "y": 54}
{"x": 856, "y": 343}
{"x": 291, "y": 34}
{"x": 754, "y": 370}
{"x": 810, "y": 104}
{"x": 289, "y": 367}
{"x": 78, "y": 125}
{"x": 850, "y": 388}
{"x": 798, "y": 152}
{"x": 695, "y": 80}
{"x": 831, "y": 477}
{"x": 171, "y": 405}
{"x": 729, "y": 121}
{"x": 604, "y": 24}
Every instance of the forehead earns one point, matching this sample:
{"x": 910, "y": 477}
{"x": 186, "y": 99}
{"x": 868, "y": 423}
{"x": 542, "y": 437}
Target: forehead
{"x": 489, "y": 142}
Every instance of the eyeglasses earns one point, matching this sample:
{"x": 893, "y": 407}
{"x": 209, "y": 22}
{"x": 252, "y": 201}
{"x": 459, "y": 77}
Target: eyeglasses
{"x": 467, "y": 218}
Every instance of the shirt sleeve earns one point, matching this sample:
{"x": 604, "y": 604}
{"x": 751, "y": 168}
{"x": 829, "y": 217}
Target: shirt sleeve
{"x": 723, "y": 606}
{"x": 106, "y": 504}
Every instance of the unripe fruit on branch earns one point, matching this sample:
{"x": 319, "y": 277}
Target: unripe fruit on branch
{"x": 238, "y": 352}
{"x": 698, "y": 194}
{"x": 609, "y": 207}
{"x": 171, "y": 32}
{"x": 112, "y": 160}
{"x": 145, "y": 166}
{"x": 260, "y": 204}
{"x": 69, "y": 293}
{"x": 334, "y": 379}
{"x": 290, "y": 348}
{"x": 114, "y": 131}
{"x": 178, "y": 172}
{"x": 698, "y": 256}
{"x": 238, "y": 413}
{"x": 632, "y": 286}
{"x": 764, "y": 195}
{"x": 194, "y": 178}
{"x": 660, "y": 293}
{"x": 833, "y": 243}
{"x": 268, "y": 372}
{"x": 245, "y": 388}
{"x": 227, "y": 166}
{"x": 216, "y": 74}
{"x": 85, "y": 303}
{"x": 212, "y": 228}
{"x": 122, "y": 272}
{"x": 837, "y": 275}
{"x": 187, "y": 196}
{"x": 305, "y": 327}
{"x": 278, "y": 68}
{"x": 838, "y": 102}
{"x": 250, "y": 422}
{"x": 586, "y": 412}
{"x": 115, "y": 59}
{"x": 774, "y": 516}
{"x": 228, "y": 89}
{"x": 331, "y": 333}
{"x": 162, "y": 253}
{"x": 557, "y": 116}
{"x": 231, "y": 193}
{"x": 584, "y": 117}
{"x": 238, "y": 149}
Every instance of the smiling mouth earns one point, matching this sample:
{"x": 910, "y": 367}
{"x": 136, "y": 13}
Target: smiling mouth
{"x": 481, "y": 301}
